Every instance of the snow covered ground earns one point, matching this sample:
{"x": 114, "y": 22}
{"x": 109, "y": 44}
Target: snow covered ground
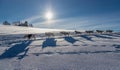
{"x": 83, "y": 52}
{"x": 24, "y": 30}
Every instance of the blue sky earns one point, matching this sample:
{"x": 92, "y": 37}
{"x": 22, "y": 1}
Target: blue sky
{"x": 68, "y": 14}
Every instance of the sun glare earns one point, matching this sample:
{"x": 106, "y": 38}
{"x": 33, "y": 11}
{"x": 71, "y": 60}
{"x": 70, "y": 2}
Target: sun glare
{"x": 49, "y": 15}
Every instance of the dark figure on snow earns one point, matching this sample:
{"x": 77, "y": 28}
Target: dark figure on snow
{"x": 30, "y": 36}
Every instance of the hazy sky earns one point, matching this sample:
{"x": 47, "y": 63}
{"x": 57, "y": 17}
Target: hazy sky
{"x": 67, "y": 14}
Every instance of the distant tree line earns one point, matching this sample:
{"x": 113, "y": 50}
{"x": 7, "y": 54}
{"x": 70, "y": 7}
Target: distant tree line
{"x": 18, "y": 23}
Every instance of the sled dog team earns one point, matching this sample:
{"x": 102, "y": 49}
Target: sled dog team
{"x": 65, "y": 33}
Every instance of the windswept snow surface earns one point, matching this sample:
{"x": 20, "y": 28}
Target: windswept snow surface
{"x": 7, "y": 29}
{"x": 82, "y": 52}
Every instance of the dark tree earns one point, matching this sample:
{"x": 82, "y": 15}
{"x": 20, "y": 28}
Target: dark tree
{"x": 26, "y": 23}
{"x": 6, "y": 23}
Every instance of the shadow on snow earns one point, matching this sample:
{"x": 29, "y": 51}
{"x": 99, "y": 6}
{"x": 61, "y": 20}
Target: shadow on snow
{"x": 87, "y": 37}
{"x": 49, "y": 42}
{"x": 115, "y": 35}
{"x": 76, "y": 52}
{"x": 15, "y": 50}
{"x": 70, "y": 39}
{"x": 100, "y": 36}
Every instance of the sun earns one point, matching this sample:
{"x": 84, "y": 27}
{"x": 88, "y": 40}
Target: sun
{"x": 49, "y": 15}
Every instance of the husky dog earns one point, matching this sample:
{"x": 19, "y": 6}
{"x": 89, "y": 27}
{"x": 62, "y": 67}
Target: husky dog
{"x": 77, "y": 32}
{"x": 89, "y": 32}
{"x": 109, "y": 31}
{"x": 30, "y": 36}
{"x": 99, "y": 31}
{"x": 49, "y": 34}
{"x": 65, "y": 33}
